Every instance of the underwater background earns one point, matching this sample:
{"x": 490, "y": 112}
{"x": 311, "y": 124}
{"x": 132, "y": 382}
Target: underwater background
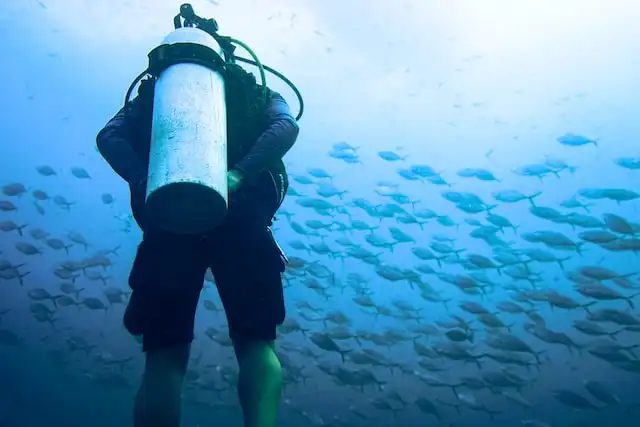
{"x": 462, "y": 225}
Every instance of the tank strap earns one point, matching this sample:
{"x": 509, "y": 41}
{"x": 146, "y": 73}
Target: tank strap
{"x": 166, "y": 55}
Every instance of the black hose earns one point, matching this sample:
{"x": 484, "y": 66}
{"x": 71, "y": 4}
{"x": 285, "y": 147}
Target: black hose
{"x": 238, "y": 58}
{"x": 281, "y": 77}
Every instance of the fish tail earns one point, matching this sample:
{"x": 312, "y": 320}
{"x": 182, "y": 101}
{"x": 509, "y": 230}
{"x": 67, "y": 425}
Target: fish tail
{"x": 587, "y": 305}
{"x": 537, "y": 356}
{"x": 454, "y": 389}
{"x": 22, "y": 276}
{"x": 532, "y": 197}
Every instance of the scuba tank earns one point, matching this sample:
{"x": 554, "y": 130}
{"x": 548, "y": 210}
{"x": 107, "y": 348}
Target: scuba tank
{"x": 187, "y": 177}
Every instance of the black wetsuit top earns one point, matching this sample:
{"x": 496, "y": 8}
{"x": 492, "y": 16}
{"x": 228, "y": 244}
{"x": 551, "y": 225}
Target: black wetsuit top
{"x": 125, "y": 140}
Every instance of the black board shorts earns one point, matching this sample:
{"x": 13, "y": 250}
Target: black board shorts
{"x": 168, "y": 273}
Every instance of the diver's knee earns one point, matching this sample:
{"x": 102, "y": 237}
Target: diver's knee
{"x": 167, "y": 362}
{"x": 257, "y": 354}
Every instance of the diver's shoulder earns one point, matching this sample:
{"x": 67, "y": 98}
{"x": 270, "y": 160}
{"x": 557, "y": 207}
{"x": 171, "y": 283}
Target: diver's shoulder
{"x": 276, "y": 104}
{"x": 274, "y": 95}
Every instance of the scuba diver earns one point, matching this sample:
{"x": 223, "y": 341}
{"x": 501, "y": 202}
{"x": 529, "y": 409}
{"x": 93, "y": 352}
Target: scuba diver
{"x": 168, "y": 272}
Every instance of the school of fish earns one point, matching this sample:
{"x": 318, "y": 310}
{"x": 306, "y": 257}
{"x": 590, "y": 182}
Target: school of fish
{"x": 386, "y": 299}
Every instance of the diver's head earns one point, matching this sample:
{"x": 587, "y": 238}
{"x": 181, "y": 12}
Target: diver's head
{"x": 241, "y": 86}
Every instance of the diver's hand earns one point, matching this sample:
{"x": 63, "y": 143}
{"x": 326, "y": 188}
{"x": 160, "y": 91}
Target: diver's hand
{"x": 234, "y": 180}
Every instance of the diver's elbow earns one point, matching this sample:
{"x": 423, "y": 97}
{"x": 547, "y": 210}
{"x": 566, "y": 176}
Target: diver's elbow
{"x": 101, "y": 142}
{"x": 291, "y": 133}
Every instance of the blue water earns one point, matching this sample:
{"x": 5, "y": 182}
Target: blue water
{"x": 452, "y": 85}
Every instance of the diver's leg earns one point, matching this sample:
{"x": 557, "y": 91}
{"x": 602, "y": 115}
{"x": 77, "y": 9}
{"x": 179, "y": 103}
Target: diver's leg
{"x": 259, "y": 382}
{"x": 158, "y": 400}
{"x": 250, "y": 285}
{"x": 166, "y": 279}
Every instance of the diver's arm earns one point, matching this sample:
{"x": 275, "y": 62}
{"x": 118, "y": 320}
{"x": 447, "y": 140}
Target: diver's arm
{"x": 115, "y": 143}
{"x": 274, "y": 142}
